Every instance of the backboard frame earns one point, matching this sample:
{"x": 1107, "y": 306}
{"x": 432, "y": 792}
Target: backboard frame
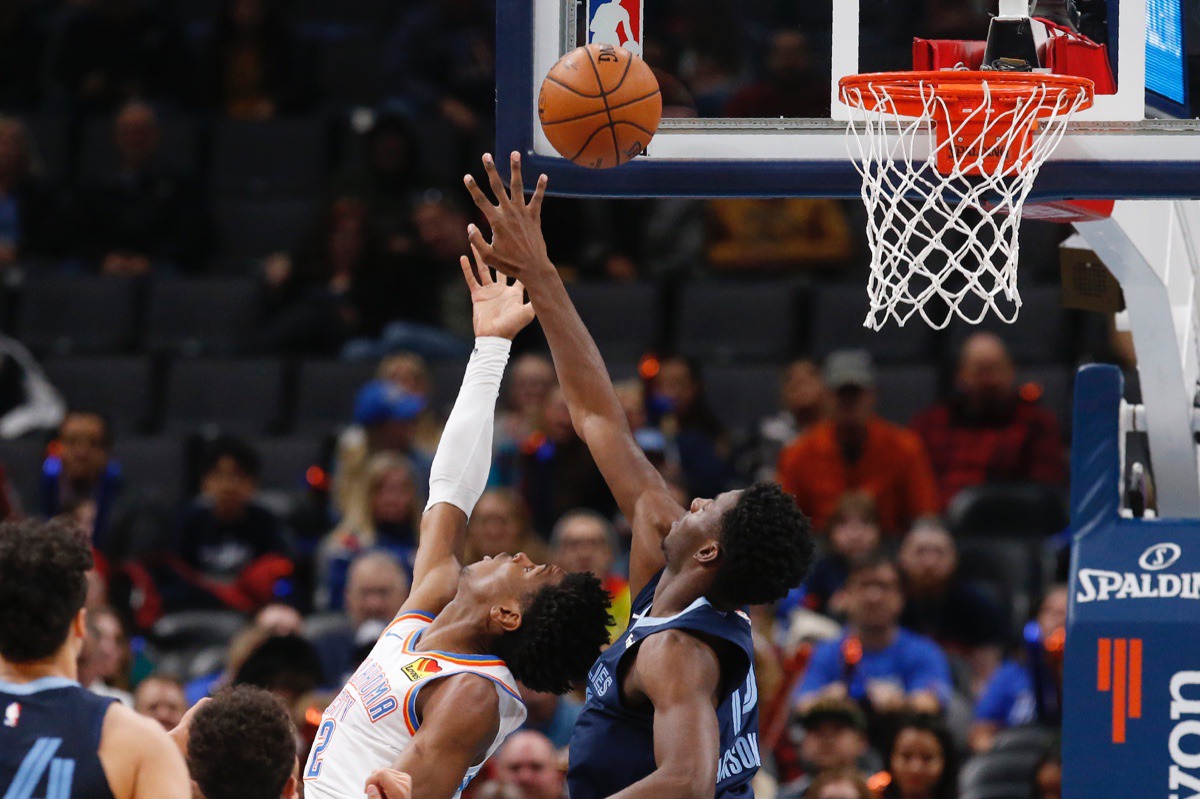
{"x": 753, "y": 158}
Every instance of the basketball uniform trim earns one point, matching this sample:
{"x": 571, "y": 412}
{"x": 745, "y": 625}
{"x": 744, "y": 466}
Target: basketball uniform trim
{"x": 40, "y": 684}
{"x": 408, "y": 616}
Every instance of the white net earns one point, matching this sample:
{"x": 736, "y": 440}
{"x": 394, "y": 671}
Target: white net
{"x": 944, "y": 190}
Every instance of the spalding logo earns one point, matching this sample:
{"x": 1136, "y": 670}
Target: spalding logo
{"x": 1159, "y": 556}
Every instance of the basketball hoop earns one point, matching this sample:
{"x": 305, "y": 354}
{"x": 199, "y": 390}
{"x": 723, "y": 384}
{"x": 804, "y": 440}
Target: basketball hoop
{"x": 948, "y": 159}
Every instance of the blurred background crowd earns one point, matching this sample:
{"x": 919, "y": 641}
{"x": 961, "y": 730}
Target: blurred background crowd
{"x": 232, "y": 330}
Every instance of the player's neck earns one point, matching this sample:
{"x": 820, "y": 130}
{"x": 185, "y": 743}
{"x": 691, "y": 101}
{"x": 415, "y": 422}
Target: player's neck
{"x": 60, "y": 664}
{"x": 676, "y": 591}
{"x": 456, "y": 629}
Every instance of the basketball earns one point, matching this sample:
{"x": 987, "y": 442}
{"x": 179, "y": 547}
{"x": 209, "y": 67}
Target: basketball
{"x": 600, "y": 106}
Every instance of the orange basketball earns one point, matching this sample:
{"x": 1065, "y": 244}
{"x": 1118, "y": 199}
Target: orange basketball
{"x": 600, "y": 106}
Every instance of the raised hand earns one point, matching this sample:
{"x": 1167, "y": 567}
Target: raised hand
{"x": 497, "y": 309}
{"x": 517, "y": 248}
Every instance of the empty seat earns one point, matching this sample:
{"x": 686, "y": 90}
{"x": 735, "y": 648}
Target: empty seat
{"x": 180, "y": 149}
{"x": 22, "y": 460}
{"x": 325, "y": 394}
{"x": 253, "y": 228}
{"x": 990, "y": 771}
{"x": 196, "y": 629}
{"x": 285, "y": 461}
{"x": 1027, "y": 738}
{"x": 152, "y": 467}
{"x": 742, "y": 395}
{"x": 119, "y": 388}
{"x": 623, "y": 318}
{"x": 1016, "y": 510}
{"x": 1042, "y": 333}
{"x": 63, "y": 315}
{"x": 278, "y": 158}
{"x": 348, "y": 71}
{"x": 238, "y": 396}
{"x": 51, "y": 134}
{"x": 836, "y": 323}
{"x": 194, "y": 316}
{"x": 904, "y": 391}
{"x": 720, "y": 320}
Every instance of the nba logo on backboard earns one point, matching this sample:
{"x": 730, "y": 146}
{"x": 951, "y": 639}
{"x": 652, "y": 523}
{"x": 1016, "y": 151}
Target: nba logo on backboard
{"x": 616, "y": 22}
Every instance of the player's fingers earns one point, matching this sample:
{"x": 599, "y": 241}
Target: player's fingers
{"x": 489, "y": 166}
{"x": 373, "y": 792}
{"x": 485, "y": 274}
{"x": 516, "y": 186}
{"x": 481, "y": 200}
{"x": 468, "y": 271}
{"x": 535, "y": 204}
{"x": 479, "y": 244}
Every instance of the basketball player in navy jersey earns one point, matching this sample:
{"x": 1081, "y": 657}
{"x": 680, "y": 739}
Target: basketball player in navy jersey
{"x": 671, "y": 706}
{"x": 57, "y": 739}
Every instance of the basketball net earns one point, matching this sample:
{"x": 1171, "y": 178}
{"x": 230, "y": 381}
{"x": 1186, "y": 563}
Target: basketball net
{"x": 947, "y": 161}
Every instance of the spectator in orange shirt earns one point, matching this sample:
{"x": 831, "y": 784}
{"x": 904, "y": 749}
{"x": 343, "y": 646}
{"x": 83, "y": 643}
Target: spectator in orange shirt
{"x": 855, "y": 450}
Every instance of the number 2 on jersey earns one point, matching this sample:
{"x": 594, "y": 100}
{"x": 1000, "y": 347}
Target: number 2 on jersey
{"x": 324, "y": 734}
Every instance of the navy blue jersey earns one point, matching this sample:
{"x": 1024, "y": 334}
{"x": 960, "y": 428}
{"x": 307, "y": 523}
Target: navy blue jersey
{"x": 613, "y": 745}
{"x": 50, "y": 741}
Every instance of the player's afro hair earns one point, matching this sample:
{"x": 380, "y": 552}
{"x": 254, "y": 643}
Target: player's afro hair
{"x": 43, "y": 584}
{"x": 561, "y": 633}
{"x": 241, "y": 745}
{"x": 767, "y": 547}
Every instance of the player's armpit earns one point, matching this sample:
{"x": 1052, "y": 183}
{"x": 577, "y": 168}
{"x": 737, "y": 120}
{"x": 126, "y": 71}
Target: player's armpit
{"x": 680, "y": 675}
{"x": 140, "y": 759}
{"x": 459, "y": 719}
{"x": 437, "y": 566}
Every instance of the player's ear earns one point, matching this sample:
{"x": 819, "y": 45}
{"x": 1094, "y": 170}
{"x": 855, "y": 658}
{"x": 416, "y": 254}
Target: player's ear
{"x": 291, "y": 788}
{"x": 506, "y": 616}
{"x": 79, "y": 624}
{"x": 709, "y": 552}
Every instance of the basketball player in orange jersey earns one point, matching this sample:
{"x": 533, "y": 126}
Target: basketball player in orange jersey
{"x": 672, "y": 705}
{"x": 439, "y": 687}
{"x": 57, "y": 739}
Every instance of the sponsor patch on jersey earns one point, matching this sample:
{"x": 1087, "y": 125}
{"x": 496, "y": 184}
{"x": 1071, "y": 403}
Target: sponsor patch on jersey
{"x": 421, "y": 668}
{"x": 12, "y": 714}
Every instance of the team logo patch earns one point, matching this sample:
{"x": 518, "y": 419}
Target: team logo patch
{"x": 12, "y": 714}
{"x": 421, "y": 668}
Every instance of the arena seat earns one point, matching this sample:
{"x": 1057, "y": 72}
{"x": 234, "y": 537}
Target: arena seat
{"x": 180, "y": 151}
{"x": 737, "y": 321}
{"x": 623, "y": 318}
{"x": 195, "y": 629}
{"x": 1042, "y": 333}
{"x": 348, "y": 71}
{"x": 122, "y": 388}
{"x": 742, "y": 395}
{"x": 235, "y": 396}
{"x": 22, "y": 460}
{"x": 275, "y": 158}
{"x": 70, "y": 315}
{"x": 325, "y": 394}
{"x": 194, "y": 316}
{"x": 153, "y": 466}
{"x": 1011, "y": 510}
{"x": 285, "y": 461}
{"x": 52, "y": 136}
{"x": 1002, "y": 790}
{"x": 998, "y": 774}
{"x": 903, "y": 391}
{"x": 319, "y": 625}
{"x": 1028, "y": 738}
{"x": 836, "y": 323}
{"x": 447, "y": 379}
{"x": 346, "y": 17}
{"x": 250, "y": 229}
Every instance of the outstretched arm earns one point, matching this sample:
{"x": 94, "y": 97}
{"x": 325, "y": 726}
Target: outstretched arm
{"x": 681, "y": 677}
{"x": 464, "y": 455}
{"x": 518, "y": 249}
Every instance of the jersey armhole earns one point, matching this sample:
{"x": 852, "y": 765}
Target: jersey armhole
{"x": 409, "y": 705}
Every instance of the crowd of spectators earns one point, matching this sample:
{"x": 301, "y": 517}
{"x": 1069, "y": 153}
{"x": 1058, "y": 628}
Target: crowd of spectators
{"x": 899, "y": 657}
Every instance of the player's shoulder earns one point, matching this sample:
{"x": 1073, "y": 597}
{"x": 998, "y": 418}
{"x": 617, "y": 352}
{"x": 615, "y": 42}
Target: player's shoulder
{"x": 130, "y": 743}
{"x": 124, "y": 727}
{"x": 466, "y": 701}
{"x": 676, "y": 653}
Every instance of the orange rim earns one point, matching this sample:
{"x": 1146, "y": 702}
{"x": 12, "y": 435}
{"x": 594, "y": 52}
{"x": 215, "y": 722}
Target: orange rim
{"x": 908, "y": 92}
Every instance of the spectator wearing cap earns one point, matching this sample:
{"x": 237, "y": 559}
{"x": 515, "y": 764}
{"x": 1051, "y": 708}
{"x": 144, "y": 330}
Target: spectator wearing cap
{"x": 966, "y": 622}
{"x": 835, "y": 741}
{"x": 989, "y": 431}
{"x": 876, "y": 662}
{"x": 411, "y": 372}
{"x": 386, "y": 417}
{"x": 233, "y": 550}
{"x": 139, "y": 215}
{"x": 382, "y": 516}
{"x": 1026, "y": 689}
{"x": 557, "y": 471}
{"x": 585, "y": 541}
{"x": 855, "y": 450}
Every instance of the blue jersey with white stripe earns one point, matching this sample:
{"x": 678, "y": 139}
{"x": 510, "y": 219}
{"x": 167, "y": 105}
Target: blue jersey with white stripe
{"x": 613, "y": 745}
{"x": 50, "y": 741}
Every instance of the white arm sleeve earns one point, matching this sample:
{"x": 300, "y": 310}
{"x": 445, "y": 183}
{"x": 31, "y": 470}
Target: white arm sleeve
{"x": 464, "y": 454}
